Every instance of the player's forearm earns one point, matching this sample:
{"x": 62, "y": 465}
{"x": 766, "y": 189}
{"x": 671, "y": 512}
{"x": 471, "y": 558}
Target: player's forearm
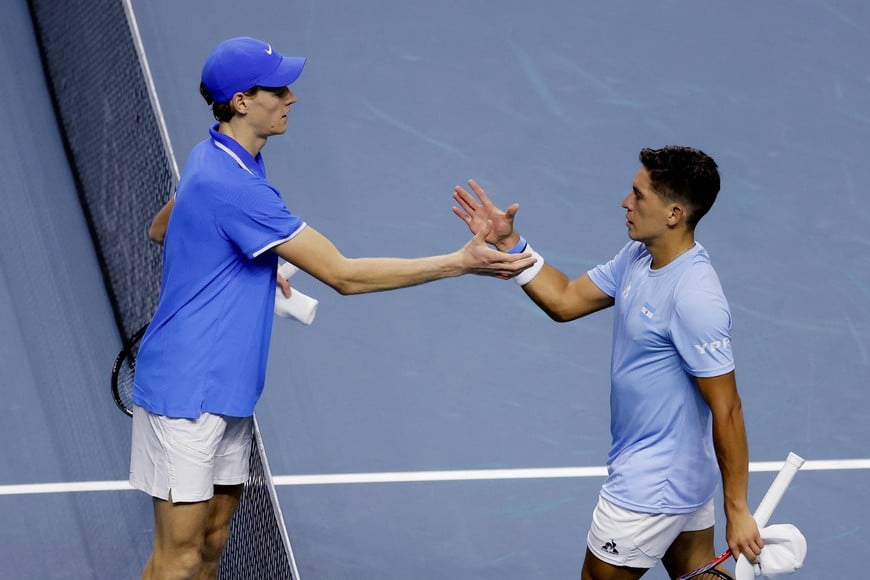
{"x": 732, "y": 454}
{"x": 364, "y": 275}
{"x": 562, "y": 299}
{"x": 548, "y": 290}
{"x": 157, "y": 231}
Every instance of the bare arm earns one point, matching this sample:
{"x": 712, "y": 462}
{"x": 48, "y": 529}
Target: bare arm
{"x": 732, "y": 453}
{"x": 157, "y": 231}
{"x": 313, "y": 252}
{"x": 554, "y": 293}
{"x": 563, "y": 299}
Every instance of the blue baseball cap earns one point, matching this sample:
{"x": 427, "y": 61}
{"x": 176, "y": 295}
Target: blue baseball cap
{"x": 242, "y": 63}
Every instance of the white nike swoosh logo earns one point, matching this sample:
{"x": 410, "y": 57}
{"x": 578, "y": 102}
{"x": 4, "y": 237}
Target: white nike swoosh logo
{"x": 269, "y": 49}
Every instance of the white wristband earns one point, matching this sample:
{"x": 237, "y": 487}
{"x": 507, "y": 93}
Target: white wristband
{"x": 527, "y": 275}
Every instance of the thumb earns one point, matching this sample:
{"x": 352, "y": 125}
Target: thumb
{"x": 512, "y": 210}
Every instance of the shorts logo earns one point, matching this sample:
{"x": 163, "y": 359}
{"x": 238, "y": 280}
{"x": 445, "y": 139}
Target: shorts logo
{"x": 610, "y": 547}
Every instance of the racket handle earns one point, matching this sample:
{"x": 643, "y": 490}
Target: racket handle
{"x": 744, "y": 570}
{"x": 777, "y": 489}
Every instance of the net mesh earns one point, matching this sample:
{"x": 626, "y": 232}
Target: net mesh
{"x": 124, "y": 173}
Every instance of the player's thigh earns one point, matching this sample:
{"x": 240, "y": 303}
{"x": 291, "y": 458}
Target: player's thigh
{"x": 596, "y": 569}
{"x": 223, "y": 506}
{"x": 688, "y": 551}
{"x": 179, "y": 526}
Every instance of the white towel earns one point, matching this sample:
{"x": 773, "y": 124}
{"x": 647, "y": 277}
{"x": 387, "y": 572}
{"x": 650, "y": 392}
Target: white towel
{"x": 784, "y": 551}
{"x": 298, "y": 306}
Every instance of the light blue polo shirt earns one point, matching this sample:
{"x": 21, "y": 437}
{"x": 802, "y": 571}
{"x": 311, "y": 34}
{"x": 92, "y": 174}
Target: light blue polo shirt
{"x": 670, "y": 325}
{"x": 207, "y": 346}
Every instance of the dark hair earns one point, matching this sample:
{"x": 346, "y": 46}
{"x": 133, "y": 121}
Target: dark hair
{"x": 683, "y": 175}
{"x": 222, "y": 112}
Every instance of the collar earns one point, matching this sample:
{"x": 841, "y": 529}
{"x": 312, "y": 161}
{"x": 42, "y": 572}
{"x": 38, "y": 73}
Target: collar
{"x": 253, "y": 165}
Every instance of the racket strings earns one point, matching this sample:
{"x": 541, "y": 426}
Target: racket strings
{"x": 124, "y": 371}
{"x": 713, "y": 574}
{"x": 125, "y": 379}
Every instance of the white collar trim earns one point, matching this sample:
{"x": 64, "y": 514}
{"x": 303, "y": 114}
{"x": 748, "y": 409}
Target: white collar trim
{"x": 229, "y": 152}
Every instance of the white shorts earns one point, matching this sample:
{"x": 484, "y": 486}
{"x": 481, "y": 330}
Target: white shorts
{"x": 626, "y": 538}
{"x": 188, "y": 456}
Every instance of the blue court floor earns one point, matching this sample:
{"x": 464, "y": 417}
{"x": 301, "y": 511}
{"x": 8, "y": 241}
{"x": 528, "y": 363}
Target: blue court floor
{"x": 546, "y": 104}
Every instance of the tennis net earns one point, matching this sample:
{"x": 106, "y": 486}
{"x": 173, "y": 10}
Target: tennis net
{"x": 122, "y": 161}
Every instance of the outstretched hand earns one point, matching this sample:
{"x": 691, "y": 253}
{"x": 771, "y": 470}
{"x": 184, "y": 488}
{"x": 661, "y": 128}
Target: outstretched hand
{"x": 479, "y": 258}
{"x": 477, "y": 209}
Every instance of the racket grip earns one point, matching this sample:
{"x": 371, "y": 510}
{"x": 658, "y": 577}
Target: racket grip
{"x": 777, "y": 489}
{"x": 744, "y": 570}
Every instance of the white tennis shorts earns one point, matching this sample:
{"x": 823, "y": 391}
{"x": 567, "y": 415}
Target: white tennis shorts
{"x": 626, "y": 538}
{"x": 188, "y": 456}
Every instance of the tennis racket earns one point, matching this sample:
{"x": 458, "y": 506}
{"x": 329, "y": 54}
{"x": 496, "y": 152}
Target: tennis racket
{"x": 762, "y": 514}
{"x": 123, "y": 371}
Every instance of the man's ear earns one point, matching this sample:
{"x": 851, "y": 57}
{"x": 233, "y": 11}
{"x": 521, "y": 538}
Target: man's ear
{"x": 239, "y": 103}
{"x": 676, "y": 215}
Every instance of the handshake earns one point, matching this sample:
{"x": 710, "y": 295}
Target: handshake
{"x": 297, "y": 306}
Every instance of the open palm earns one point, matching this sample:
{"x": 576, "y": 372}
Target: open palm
{"x": 476, "y": 209}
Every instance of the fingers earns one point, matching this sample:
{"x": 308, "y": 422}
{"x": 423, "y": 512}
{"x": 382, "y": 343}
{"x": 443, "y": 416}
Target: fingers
{"x": 461, "y": 214}
{"x": 750, "y": 550}
{"x": 481, "y": 194}
{"x": 465, "y": 199}
{"x": 285, "y": 286}
{"x": 510, "y": 265}
{"x": 508, "y": 268}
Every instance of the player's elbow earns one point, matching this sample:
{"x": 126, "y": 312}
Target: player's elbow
{"x": 156, "y": 234}
{"x": 343, "y": 285}
{"x": 347, "y": 278}
{"x": 560, "y": 317}
{"x": 344, "y": 288}
{"x": 558, "y": 314}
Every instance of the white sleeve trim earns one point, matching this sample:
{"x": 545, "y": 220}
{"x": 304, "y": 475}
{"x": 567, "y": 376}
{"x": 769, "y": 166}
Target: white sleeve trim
{"x": 271, "y": 245}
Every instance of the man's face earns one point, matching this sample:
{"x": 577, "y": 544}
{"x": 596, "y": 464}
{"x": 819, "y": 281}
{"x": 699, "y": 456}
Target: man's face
{"x": 268, "y": 109}
{"x": 646, "y": 213}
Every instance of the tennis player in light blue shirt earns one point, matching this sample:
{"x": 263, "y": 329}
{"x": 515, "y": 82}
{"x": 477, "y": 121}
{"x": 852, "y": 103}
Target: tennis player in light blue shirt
{"x": 676, "y": 425}
{"x": 670, "y": 325}
{"x": 202, "y": 362}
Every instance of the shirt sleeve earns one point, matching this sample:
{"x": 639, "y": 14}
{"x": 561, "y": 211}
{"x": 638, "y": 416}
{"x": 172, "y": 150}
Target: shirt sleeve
{"x": 258, "y": 221}
{"x": 607, "y": 276}
{"x": 701, "y": 332}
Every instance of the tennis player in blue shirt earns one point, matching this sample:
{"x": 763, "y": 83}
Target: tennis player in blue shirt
{"x": 202, "y": 362}
{"x": 676, "y": 419}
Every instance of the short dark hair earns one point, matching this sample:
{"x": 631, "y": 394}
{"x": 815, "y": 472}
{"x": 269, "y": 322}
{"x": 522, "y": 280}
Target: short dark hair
{"x": 684, "y": 175}
{"x": 222, "y": 112}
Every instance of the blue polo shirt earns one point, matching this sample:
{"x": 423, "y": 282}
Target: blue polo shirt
{"x": 207, "y": 346}
{"x": 670, "y": 325}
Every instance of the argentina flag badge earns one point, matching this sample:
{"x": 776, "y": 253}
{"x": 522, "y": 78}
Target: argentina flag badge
{"x": 647, "y": 311}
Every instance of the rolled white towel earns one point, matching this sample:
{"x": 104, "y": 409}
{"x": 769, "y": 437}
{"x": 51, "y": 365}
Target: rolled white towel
{"x": 298, "y": 306}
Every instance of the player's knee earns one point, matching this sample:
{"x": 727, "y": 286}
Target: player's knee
{"x": 215, "y": 542}
{"x": 181, "y": 564}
